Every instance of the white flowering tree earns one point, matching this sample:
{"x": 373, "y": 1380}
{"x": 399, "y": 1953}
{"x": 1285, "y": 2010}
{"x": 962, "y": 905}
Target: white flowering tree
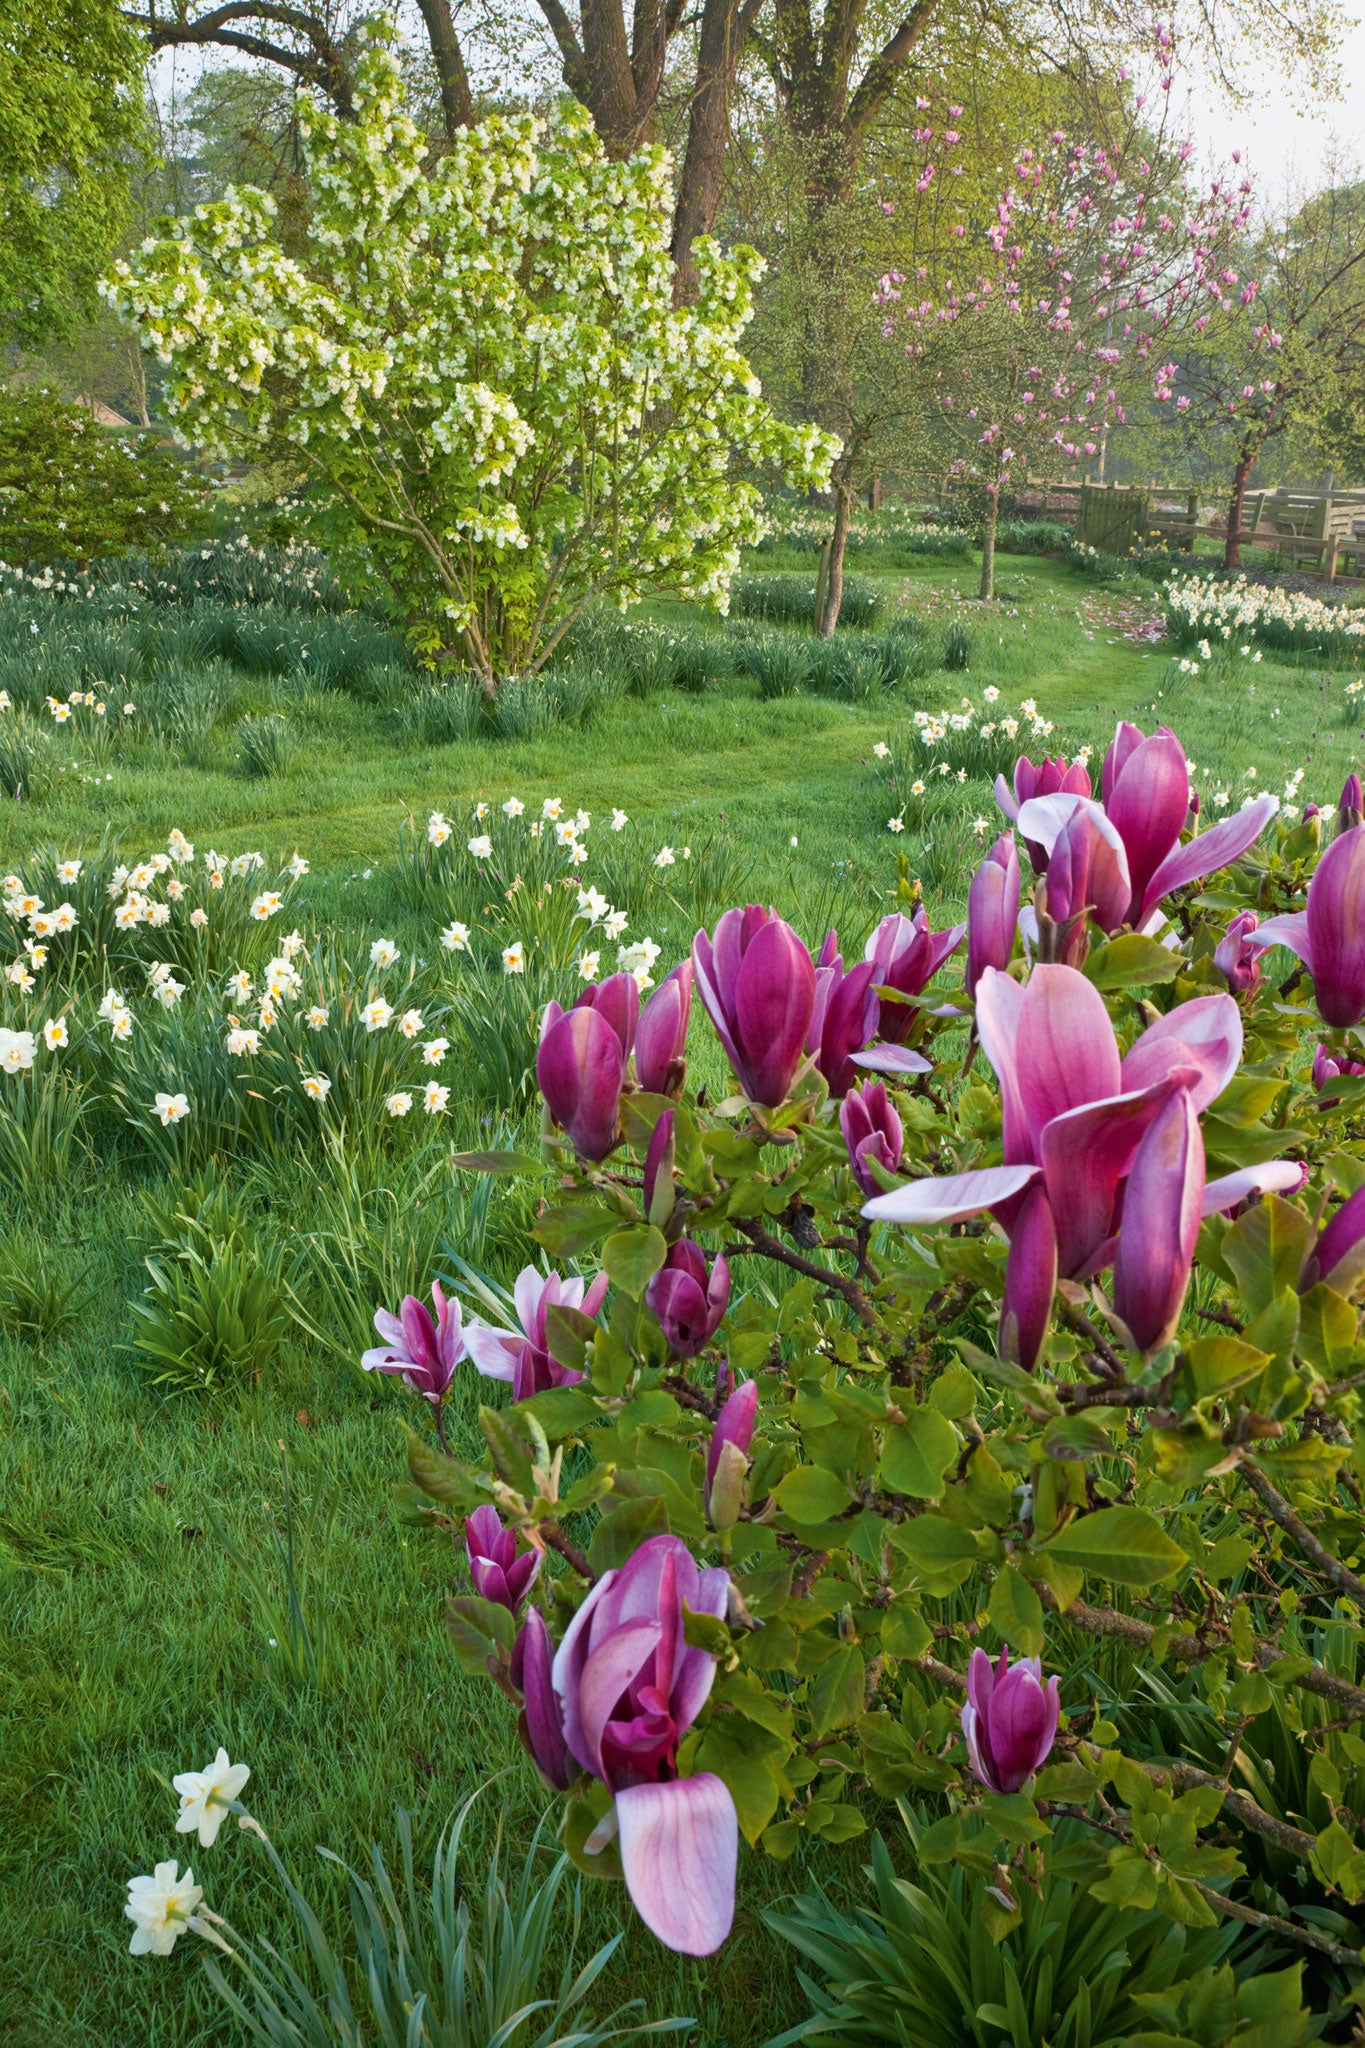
{"x": 484, "y": 368}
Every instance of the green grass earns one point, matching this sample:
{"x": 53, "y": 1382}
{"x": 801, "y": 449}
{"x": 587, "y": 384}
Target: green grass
{"x": 133, "y": 1648}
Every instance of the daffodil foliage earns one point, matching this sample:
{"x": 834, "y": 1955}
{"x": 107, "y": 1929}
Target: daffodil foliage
{"x": 1016, "y": 1314}
{"x": 482, "y": 366}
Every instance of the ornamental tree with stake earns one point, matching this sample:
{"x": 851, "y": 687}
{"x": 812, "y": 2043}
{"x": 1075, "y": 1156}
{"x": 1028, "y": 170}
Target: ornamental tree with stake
{"x": 1030, "y": 337}
{"x": 975, "y": 1388}
{"x": 482, "y": 369}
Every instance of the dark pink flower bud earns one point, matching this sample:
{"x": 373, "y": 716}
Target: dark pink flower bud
{"x": 728, "y": 1452}
{"x": 424, "y": 1353}
{"x": 498, "y": 1573}
{"x": 757, "y": 982}
{"x": 689, "y": 1303}
{"x": 872, "y": 1130}
{"x": 1235, "y": 957}
{"x": 618, "y": 1000}
{"x": 1051, "y": 777}
{"x": 1338, "y": 1257}
{"x": 580, "y": 1068}
{"x": 1331, "y": 1066}
{"x": 542, "y": 1717}
{"x": 1010, "y": 1720}
{"x": 1351, "y": 807}
{"x": 1162, "y": 1209}
{"x": 659, "y": 1192}
{"x": 1030, "y": 1281}
{"x": 844, "y": 1019}
{"x": 992, "y": 910}
{"x": 661, "y": 1034}
{"x": 906, "y": 956}
{"x": 1087, "y": 871}
{"x": 1329, "y": 935}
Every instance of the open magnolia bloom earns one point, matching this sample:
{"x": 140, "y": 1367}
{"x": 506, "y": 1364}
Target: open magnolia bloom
{"x": 1075, "y": 1114}
{"x": 623, "y": 1690}
{"x": 1329, "y": 935}
{"x": 1122, "y": 856}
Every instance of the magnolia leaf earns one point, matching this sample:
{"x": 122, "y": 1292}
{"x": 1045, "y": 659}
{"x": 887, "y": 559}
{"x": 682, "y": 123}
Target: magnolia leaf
{"x": 583, "y": 1814}
{"x": 917, "y": 1452}
{"x": 496, "y": 1162}
{"x": 573, "y": 1229}
{"x": 443, "y": 1479}
{"x": 568, "y": 1334}
{"x": 1133, "y": 960}
{"x": 1016, "y": 1612}
{"x": 624, "y": 1529}
{"x": 479, "y": 1629}
{"x": 1217, "y": 1364}
{"x": 836, "y": 1694}
{"x": 905, "y": 1632}
{"x": 1076, "y": 1436}
{"x": 810, "y": 1494}
{"x": 1124, "y": 1544}
{"x": 633, "y": 1256}
{"x": 942, "y": 1553}
{"x": 748, "y": 1759}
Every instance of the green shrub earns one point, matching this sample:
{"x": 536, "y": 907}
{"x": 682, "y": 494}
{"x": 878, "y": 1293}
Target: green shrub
{"x": 70, "y": 489}
{"x": 957, "y": 648}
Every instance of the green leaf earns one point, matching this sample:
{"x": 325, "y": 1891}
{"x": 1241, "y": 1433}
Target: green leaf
{"x": 1217, "y": 1364}
{"x": 569, "y": 1334}
{"x": 1266, "y": 1248}
{"x": 810, "y": 1495}
{"x": 1129, "y": 1881}
{"x": 1133, "y": 960}
{"x": 633, "y": 1256}
{"x": 497, "y": 1162}
{"x": 625, "y": 1529}
{"x": 917, "y": 1452}
{"x": 573, "y": 1229}
{"x": 1124, "y": 1544}
{"x": 562, "y": 1411}
{"x": 1076, "y": 1437}
{"x": 942, "y": 1553}
{"x": 479, "y": 1629}
{"x": 1328, "y": 1330}
{"x": 1016, "y": 1612}
{"x": 748, "y": 1759}
{"x": 512, "y": 1456}
{"x": 442, "y": 1479}
{"x": 905, "y": 1632}
{"x": 836, "y": 1694}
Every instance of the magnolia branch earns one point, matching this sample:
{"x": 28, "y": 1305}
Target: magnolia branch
{"x": 1279, "y": 1510}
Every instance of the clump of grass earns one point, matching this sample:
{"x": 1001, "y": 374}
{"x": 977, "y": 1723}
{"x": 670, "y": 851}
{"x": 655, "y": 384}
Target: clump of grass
{"x": 265, "y": 744}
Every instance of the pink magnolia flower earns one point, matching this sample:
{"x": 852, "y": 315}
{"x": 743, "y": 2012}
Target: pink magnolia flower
{"x": 423, "y": 1353}
{"x": 523, "y": 1356}
{"x": 629, "y": 1687}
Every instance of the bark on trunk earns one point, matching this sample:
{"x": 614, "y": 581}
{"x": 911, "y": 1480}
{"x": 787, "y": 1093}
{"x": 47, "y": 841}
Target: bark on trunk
{"x": 834, "y": 586}
{"x": 988, "y": 546}
{"x": 1232, "y": 546}
{"x": 457, "y": 101}
{"x": 724, "y": 32}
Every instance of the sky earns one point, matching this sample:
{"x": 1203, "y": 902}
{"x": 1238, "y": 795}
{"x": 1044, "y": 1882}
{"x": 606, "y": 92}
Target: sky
{"x": 1284, "y": 138}
{"x": 1281, "y": 136}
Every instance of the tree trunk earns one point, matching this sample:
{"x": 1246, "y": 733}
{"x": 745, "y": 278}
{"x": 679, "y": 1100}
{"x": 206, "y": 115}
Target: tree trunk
{"x": 724, "y": 32}
{"x": 834, "y": 586}
{"x": 457, "y": 101}
{"x": 988, "y": 525}
{"x": 1232, "y": 547}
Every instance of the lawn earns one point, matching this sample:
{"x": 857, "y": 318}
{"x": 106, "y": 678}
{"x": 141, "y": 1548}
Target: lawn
{"x": 136, "y": 1643}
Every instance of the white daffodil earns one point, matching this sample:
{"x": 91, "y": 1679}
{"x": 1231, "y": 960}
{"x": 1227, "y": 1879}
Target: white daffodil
{"x": 161, "y": 1907}
{"x": 172, "y": 1109}
{"x": 205, "y": 1797}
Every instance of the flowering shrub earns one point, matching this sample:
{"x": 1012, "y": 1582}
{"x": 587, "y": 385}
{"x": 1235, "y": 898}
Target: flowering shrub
{"x": 484, "y": 368}
{"x": 70, "y": 489}
{"x": 928, "y": 1398}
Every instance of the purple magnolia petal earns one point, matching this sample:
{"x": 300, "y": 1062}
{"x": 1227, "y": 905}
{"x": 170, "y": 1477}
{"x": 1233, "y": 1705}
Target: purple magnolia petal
{"x": 1065, "y": 1051}
{"x": 999, "y": 1001}
{"x": 389, "y": 1326}
{"x": 608, "y": 1670}
{"x": 1208, "y": 852}
{"x": 1289, "y": 931}
{"x": 679, "y": 1850}
{"x": 1147, "y": 802}
{"x": 1162, "y": 1208}
{"x": 1336, "y": 929}
{"x": 1005, "y": 797}
{"x": 1030, "y": 1280}
{"x": 492, "y": 1352}
{"x": 893, "y": 1059}
{"x": 951, "y": 1198}
{"x": 1276, "y": 1177}
{"x": 1206, "y": 1034}
{"x": 1339, "y": 1255}
{"x": 383, "y": 1358}
{"x": 1085, "y": 1156}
